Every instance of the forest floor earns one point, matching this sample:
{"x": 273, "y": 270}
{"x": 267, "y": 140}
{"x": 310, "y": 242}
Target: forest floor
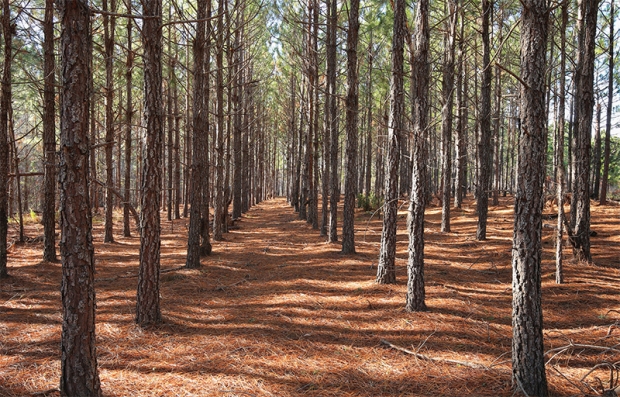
{"x": 276, "y": 311}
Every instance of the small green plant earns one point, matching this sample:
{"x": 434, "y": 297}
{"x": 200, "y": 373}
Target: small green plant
{"x": 33, "y": 216}
{"x": 369, "y": 202}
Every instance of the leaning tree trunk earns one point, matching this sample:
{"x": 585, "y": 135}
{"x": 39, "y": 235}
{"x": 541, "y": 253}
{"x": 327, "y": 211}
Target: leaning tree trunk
{"x": 528, "y": 361}
{"x": 420, "y": 82}
{"x": 584, "y": 81}
{"x": 49, "y": 135}
{"x": 386, "y": 268}
{"x": 147, "y": 306}
{"x": 78, "y": 358}
{"x": 484, "y": 142}
{"x": 352, "y": 101}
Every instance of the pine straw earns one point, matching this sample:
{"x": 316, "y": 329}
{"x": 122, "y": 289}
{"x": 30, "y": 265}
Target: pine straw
{"x": 275, "y": 311}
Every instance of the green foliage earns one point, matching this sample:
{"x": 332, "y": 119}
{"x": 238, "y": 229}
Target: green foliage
{"x": 369, "y": 202}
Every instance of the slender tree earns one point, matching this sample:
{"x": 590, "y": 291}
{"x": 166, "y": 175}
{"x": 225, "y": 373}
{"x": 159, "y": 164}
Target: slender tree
{"x": 8, "y": 30}
{"x": 147, "y": 306}
{"x": 386, "y": 269}
{"x": 447, "y": 94}
{"x": 584, "y": 81}
{"x": 484, "y": 140}
{"x": 128, "y": 129}
{"x": 350, "y": 182}
{"x": 49, "y": 135}
{"x": 528, "y": 361}
{"x": 610, "y": 100}
{"x": 334, "y": 195}
{"x": 78, "y": 359}
{"x": 109, "y": 27}
{"x": 218, "y": 207}
{"x": 420, "y": 82}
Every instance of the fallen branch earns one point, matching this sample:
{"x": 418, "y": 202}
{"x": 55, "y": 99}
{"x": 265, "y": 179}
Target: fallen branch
{"x": 433, "y": 359}
{"x": 136, "y": 275}
{"x": 604, "y": 349}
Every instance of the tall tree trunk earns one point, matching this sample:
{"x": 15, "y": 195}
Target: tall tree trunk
{"x": 218, "y": 208}
{"x": 237, "y": 117}
{"x": 128, "y": 129}
{"x": 334, "y": 188}
{"x": 610, "y": 101}
{"x": 147, "y": 306}
{"x": 528, "y": 361}
{"x": 447, "y": 94}
{"x": 420, "y": 82}
{"x": 584, "y": 80}
{"x": 352, "y": 104}
{"x": 78, "y": 359}
{"x": 205, "y": 182}
{"x": 386, "y": 268}
{"x": 559, "y": 149}
{"x": 49, "y": 135}
{"x": 8, "y": 30}
{"x": 369, "y": 121}
{"x": 109, "y": 27}
{"x": 460, "y": 185}
{"x": 313, "y": 214}
{"x": 199, "y": 134}
{"x": 484, "y": 142}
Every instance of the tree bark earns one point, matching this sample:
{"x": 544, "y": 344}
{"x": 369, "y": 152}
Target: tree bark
{"x": 8, "y": 30}
{"x": 528, "y": 362}
{"x": 584, "y": 80}
{"x": 109, "y": 27}
{"x": 49, "y": 136}
{"x": 79, "y": 375}
{"x": 420, "y": 82}
{"x": 352, "y": 105}
{"x": 147, "y": 306}
{"x": 596, "y": 153}
{"x": 334, "y": 196}
{"x": 128, "y": 129}
{"x": 610, "y": 100}
{"x": 460, "y": 184}
{"x": 447, "y": 93}
{"x": 484, "y": 142}
{"x": 386, "y": 268}
{"x": 218, "y": 208}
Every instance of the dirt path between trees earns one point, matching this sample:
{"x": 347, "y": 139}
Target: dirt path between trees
{"x": 276, "y": 311}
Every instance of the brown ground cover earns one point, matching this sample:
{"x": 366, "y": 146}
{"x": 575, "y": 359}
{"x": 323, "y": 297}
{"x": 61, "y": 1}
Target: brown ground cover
{"x": 276, "y": 311}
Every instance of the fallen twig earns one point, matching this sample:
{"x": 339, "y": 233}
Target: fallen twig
{"x": 433, "y": 359}
{"x": 224, "y": 287}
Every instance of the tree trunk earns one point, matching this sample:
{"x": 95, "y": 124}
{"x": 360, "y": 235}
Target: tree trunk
{"x": 109, "y": 27}
{"x": 334, "y": 197}
{"x": 484, "y": 142}
{"x": 199, "y": 152}
{"x": 610, "y": 101}
{"x": 447, "y": 88}
{"x": 460, "y": 185}
{"x": 78, "y": 359}
{"x": 584, "y": 78}
{"x": 128, "y": 129}
{"x": 596, "y": 153}
{"x": 559, "y": 150}
{"x": 528, "y": 361}
{"x": 352, "y": 101}
{"x": 420, "y": 81}
{"x": 218, "y": 208}
{"x": 386, "y": 268}
{"x": 8, "y": 31}
{"x": 49, "y": 136}
{"x": 147, "y": 306}
{"x": 203, "y": 141}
